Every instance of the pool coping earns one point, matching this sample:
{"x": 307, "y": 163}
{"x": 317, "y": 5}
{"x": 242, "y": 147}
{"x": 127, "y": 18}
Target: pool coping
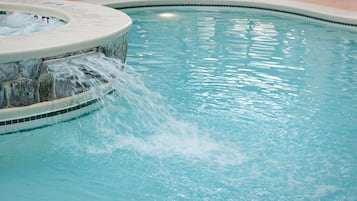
{"x": 87, "y": 26}
{"x": 321, "y": 12}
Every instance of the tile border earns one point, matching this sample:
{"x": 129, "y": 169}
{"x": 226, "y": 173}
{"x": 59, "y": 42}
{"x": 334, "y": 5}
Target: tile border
{"x": 62, "y": 110}
{"x": 319, "y": 12}
{"x": 347, "y": 24}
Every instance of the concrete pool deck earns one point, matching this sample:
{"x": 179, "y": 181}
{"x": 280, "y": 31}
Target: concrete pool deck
{"x": 348, "y": 5}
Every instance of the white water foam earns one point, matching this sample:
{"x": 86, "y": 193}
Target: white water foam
{"x": 139, "y": 120}
{"x": 15, "y": 23}
{"x": 323, "y": 190}
{"x": 178, "y": 139}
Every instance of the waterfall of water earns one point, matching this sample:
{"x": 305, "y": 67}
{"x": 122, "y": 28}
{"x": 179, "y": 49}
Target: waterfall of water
{"x": 136, "y": 118}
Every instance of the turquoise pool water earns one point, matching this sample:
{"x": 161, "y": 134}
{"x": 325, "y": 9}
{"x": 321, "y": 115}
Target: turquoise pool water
{"x": 216, "y": 104}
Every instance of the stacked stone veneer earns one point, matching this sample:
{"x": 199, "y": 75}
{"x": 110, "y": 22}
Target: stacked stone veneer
{"x": 28, "y": 82}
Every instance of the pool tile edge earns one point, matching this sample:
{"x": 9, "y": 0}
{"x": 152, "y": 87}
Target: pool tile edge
{"x": 291, "y": 6}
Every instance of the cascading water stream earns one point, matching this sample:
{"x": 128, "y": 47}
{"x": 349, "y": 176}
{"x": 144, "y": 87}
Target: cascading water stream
{"x": 135, "y": 117}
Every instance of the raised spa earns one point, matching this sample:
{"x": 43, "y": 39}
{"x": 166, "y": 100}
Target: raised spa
{"x": 40, "y": 37}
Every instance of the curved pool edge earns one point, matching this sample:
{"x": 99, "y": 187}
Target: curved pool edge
{"x": 329, "y": 14}
{"x": 51, "y": 112}
{"x": 89, "y": 29}
{"x": 88, "y": 26}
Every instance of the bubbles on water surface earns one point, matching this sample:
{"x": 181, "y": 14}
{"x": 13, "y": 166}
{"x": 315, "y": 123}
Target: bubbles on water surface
{"x": 16, "y": 23}
{"x": 140, "y": 120}
{"x": 175, "y": 139}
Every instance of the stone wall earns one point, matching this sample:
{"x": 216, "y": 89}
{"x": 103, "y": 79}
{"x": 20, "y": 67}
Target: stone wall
{"x": 24, "y": 83}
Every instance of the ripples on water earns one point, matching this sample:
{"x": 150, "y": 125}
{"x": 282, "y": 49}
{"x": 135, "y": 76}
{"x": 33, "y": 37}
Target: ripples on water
{"x": 15, "y": 23}
{"x": 283, "y": 91}
{"x": 231, "y": 105}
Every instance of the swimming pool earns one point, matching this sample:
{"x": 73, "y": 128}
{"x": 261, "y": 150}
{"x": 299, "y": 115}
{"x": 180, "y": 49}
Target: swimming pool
{"x": 216, "y": 104}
